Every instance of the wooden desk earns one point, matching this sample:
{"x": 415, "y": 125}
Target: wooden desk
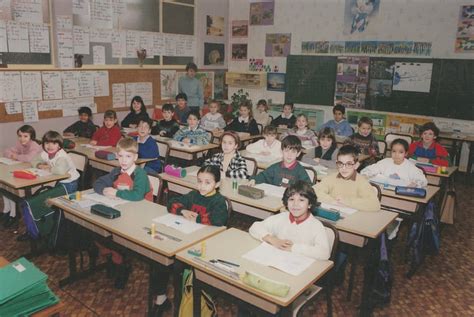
{"x": 261, "y": 165}
{"x": 128, "y": 231}
{"x": 231, "y": 245}
{"x": 436, "y": 179}
{"x": 54, "y": 310}
{"x": 258, "y": 208}
{"x": 406, "y": 203}
{"x": 186, "y": 152}
{"x": 245, "y": 138}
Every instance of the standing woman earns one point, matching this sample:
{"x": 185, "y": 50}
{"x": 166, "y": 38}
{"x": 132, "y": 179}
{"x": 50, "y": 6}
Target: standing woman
{"x": 192, "y": 87}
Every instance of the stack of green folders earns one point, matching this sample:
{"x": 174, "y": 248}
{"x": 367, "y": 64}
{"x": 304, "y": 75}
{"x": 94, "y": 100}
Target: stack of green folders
{"x": 23, "y": 289}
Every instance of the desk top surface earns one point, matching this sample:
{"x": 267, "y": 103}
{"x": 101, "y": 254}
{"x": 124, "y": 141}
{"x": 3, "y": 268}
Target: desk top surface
{"x": 179, "y": 146}
{"x": 6, "y": 177}
{"x": 430, "y": 192}
{"x": 231, "y": 244}
{"x": 366, "y": 224}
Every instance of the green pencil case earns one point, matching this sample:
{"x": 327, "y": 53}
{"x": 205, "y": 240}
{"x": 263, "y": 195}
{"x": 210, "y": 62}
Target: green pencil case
{"x": 332, "y": 215}
{"x": 105, "y": 211}
{"x": 266, "y": 285}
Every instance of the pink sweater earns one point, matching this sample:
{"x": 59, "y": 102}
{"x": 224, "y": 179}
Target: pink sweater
{"x": 24, "y": 153}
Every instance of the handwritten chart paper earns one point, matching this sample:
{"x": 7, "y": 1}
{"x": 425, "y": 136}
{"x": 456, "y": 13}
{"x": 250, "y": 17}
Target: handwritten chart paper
{"x": 80, "y": 7}
{"x": 145, "y": 90}
{"x": 70, "y": 84}
{"x": 39, "y": 38}
{"x": 118, "y": 95}
{"x": 30, "y": 111}
{"x": 65, "y": 49}
{"x": 27, "y": 11}
{"x": 132, "y": 43}
{"x": 3, "y": 36}
{"x": 412, "y": 76}
{"x": 12, "y": 86}
{"x": 50, "y": 105}
{"x": 101, "y": 35}
{"x": 158, "y": 44}
{"x": 98, "y": 54}
{"x": 31, "y": 86}
{"x": 13, "y": 107}
{"x": 101, "y": 14}
{"x": 119, "y": 46}
{"x": 86, "y": 84}
{"x": 81, "y": 39}
{"x": 51, "y": 84}
{"x": 101, "y": 83}
{"x": 17, "y": 34}
{"x": 64, "y": 22}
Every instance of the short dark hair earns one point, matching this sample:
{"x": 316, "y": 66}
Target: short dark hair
{"x": 27, "y": 129}
{"x": 147, "y": 121}
{"x": 191, "y": 66}
{"x": 234, "y": 135}
{"x": 303, "y": 189}
{"x": 139, "y": 100}
{"x": 110, "y": 114}
{"x": 340, "y": 108}
{"x": 194, "y": 113}
{"x": 167, "y": 107}
{"x": 365, "y": 120}
{"x": 328, "y": 133}
{"x": 211, "y": 169}
{"x": 181, "y": 95}
{"x": 349, "y": 149}
{"x": 262, "y": 102}
{"x": 430, "y": 126}
{"x": 52, "y": 137}
{"x": 402, "y": 142}
{"x": 291, "y": 142}
{"x": 270, "y": 129}
{"x": 85, "y": 110}
{"x": 292, "y": 105}
{"x": 248, "y": 105}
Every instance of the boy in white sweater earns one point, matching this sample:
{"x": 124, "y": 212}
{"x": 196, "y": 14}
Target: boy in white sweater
{"x": 213, "y": 121}
{"x": 397, "y": 169}
{"x": 297, "y": 230}
{"x": 269, "y": 147}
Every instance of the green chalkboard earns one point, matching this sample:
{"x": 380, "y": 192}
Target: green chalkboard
{"x": 310, "y": 79}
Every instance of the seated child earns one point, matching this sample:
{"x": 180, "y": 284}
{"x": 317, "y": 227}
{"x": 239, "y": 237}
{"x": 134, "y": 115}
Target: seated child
{"x": 54, "y": 159}
{"x": 244, "y": 122}
{"x": 204, "y": 205}
{"x": 213, "y": 121}
{"x": 24, "y": 150}
{"x": 364, "y": 141}
{"x": 286, "y": 172}
{"x": 136, "y": 114}
{"x": 269, "y": 146}
{"x": 229, "y": 161}
{"x": 427, "y": 150}
{"x": 307, "y": 136}
{"x": 181, "y": 110}
{"x": 129, "y": 182}
{"x": 168, "y": 126}
{"x": 295, "y": 230}
{"x": 109, "y": 134}
{"x": 326, "y": 153}
{"x": 339, "y": 124}
{"x": 397, "y": 167}
{"x": 84, "y": 128}
{"x": 347, "y": 187}
{"x": 193, "y": 134}
{"x": 286, "y": 119}
{"x": 147, "y": 147}
{"x": 261, "y": 115}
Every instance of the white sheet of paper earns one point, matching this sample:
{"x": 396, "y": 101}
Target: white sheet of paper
{"x": 65, "y": 49}
{"x": 3, "y": 36}
{"x": 288, "y": 262}
{"x": 146, "y": 42}
{"x": 345, "y": 210}
{"x": 170, "y": 44}
{"x": 101, "y": 83}
{"x": 31, "y": 86}
{"x": 27, "y": 11}
{"x": 111, "y": 202}
{"x": 263, "y": 158}
{"x": 13, "y": 107}
{"x": 95, "y": 147}
{"x": 118, "y": 96}
{"x": 7, "y": 161}
{"x": 17, "y": 34}
{"x": 179, "y": 223}
{"x": 70, "y": 84}
{"x": 102, "y": 14}
{"x": 30, "y": 111}
{"x": 51, "y": 83}
{"x": 100, "y": 35}
{"x": 412, "y": 77}
{"x": 39, "y": 172}
{"x": 64, "y": 22}
{"x": 12, "y": 86}
{"x": 271, "y": 190}
{"x": 119, "y": 6}
{"x": 119, "y": 44}
{"x": 85, "y": 81}
{"x": 70, "y": 106}
{"x": 158, "y": 44}
{"x": 98, "y": 54}
{"x": 39, "y": 38}
{"x": 80, "y": 7}
{"x": 132, "y": 41}
{"x": 47, "y": 105}
{"x": 143, "y": 89}
{"x": 81, "y": 39}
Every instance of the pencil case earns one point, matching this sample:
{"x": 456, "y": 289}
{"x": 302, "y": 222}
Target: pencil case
{"x": 410, "y": 191}
{"x": 332, "y": 215}
{"x": 105, "y": 211}
{"x": 251, "y": 192}
{"x": 266, "y": 285}
{"x": 105, "y": 155}
{"x": 68, "y": 144}
{"x": 175, "y": 171}
{"x": 24, "y": 174}
{"x": 427, "y": 168}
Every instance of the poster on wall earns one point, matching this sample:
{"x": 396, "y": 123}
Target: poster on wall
{"x": 215, "y": 25}
{"x": 351, "y": 81}
{"x": 239, "y": 52}
{"x": 240, "y": 28}
{"x": 405, "y": 124}
{"x": 412, "y": 77}
{"x": 381, "y": 78}
{"x": 278, "y": 44}
{"x": 207, "y": 80}
{"x": 379, "y": 120}
{"x": 220, "y": 88}
{"x": 214, "y": 53}
{"x": 358, "y": 13}
{"x": 276, "y": 82}
{"x": 168, "y": 84}
{"x": 262, "y": 12}
{"x": 465, "y": 31}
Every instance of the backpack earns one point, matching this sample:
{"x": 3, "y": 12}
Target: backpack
{"x": 423, "y": 238}
{"x": 208, "y": 308}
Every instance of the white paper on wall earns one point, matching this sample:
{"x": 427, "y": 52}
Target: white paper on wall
{"x": 146, "y": 42}
{"x": 12, "y": 86}
{"x": 64, "y": 22}
{"x": 132, "y": 43}
{"x": 3, "y": 36}
{"x": 144, "y": 90}
{"x": 81, "y": 39}
{"x": 86, "y": 84}
{"x": 119, "y": 46}
{"x": 17, "y": 34}
{"x": 119, "y": 6}
{"x": 158, "y": 44}
{"x": 39, "y": 38}
{"x": 100, "y": 35}
{"x": 98, "y": 55}
{"x": 70, "y": 106}
{"x": 51, "y": 84}
{"x": 65, "y": 49}
{"x": 13, "y": 107}
{"x": 80, "y": 7}
{"x": 47, "y": 105}
{"x": 185, "y": 45}
{"x": 101, "y": 83}
{"x": 412, "y": 77}
{"x": 102, "y": 14}
{"x": 31, "y": 86}
{"x": 170, "y": 44}
{"x": 70, "y": 83}
{"x": 5, "y": 10}
{"x": 27, "y": 11}
{"x": 118, "y": 95}
{"x": 2, "y": 87}
{"x": 30, "y": 111}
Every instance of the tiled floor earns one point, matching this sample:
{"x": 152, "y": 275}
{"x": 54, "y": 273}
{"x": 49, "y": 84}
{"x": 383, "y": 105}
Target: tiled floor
{"x": 444, "y": 286}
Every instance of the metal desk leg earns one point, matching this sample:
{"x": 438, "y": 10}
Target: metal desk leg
{"x": 196, "y": 297}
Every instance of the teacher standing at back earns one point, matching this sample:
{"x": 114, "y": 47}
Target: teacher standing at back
{"x": 192, "y": 87}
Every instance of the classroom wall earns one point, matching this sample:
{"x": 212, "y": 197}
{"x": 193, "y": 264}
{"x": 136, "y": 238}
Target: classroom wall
{"x": 323, "y": 20}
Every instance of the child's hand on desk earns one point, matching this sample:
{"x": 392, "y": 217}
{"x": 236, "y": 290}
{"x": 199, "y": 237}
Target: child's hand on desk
{"x": 110, "y": 192}
{"x": 13, "y": 156}
{"x": 93, "y": 142}
{"x": 251, "y": 182}
{"x": 43, "y": 166}
{"x": 189, "y": 215}
{"x": 278, "y": 243}
{"x": 316, "y": 160}
{"x": 162, "y": 133}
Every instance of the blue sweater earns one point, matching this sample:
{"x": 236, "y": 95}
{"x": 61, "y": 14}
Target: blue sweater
{"x": 192, "y": 87}
{"x": 149, "y": 149}
{"x": 342, "y": 127}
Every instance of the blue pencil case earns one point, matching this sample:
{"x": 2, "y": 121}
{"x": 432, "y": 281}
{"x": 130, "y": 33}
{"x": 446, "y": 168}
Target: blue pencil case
{"x": 332, "y": 215}
{"x": 410, "y": 191}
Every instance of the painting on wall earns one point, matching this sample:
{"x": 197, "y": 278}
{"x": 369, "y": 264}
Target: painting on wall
{"x": 276, "y": 82}
{"x": 357, "y": 15}
{"x": 278, "y": 44}
{"x": 465, "y": 32}
{"x": 262, "y": 12}
{"x": 214, "y": 53}
{"x": 168, "y": 84}
{"x": 239, "y": 52}
{"x": 240, "y": 28}
{"x": 215, "y": 25}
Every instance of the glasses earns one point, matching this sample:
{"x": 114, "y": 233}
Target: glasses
{"x": 348, "y": 164}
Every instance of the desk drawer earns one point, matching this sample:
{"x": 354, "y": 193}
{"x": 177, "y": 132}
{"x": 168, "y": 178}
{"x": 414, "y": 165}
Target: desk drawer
{"x": 104, "y": 233}
{"x": 400, "y": 204}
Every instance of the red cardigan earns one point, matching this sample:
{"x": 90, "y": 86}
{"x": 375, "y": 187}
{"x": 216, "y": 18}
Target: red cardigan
{"x": 107, "y": 137}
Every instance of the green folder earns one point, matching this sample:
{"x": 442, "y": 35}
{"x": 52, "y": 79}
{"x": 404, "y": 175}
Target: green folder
{"x": 29, "y": 304}
{"x": 19, "y": 277}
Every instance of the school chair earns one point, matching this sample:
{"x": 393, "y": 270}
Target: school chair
{"x": 81, "y": 161}
{"x": 377, "y": 191}
{"x": 157, "y": 187}
{"x": 389, "y": 137}
{"x": 325, "y": 283}
{"x": 228, "y": 203}
{"x": 313, "y": 175}
{"x": 164, "y": 150}
{"x": 260, "y": 128}
{"x": 382, "y": 148}
{"x": 251, "y": 166}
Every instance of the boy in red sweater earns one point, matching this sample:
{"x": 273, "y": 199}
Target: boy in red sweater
{"x": 109, "y": 134}
{"x": 427, "y": 150}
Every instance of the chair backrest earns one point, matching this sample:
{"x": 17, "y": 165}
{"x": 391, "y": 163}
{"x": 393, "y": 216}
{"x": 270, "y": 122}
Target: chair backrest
{"x": 157, "y": 185}
{"x": 313, "y": 176}
{"x": 333, "y": 239}
{"x": 164, "y": 150}
{"x": 382, "y": 147}
{"x": 229, "y": 210}
{"x": 389, "y": 137}
{"x": 81, "y": 161}
{"x": 260, "y": 128}
{"x": 377, "y": 190}
{"x": 251, "y": 166}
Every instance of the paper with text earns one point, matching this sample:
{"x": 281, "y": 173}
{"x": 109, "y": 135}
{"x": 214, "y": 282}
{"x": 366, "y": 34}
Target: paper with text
{"x": 179, "y": 223}
{"x": 271, "y": 190}
{"x": 101, "y": 199}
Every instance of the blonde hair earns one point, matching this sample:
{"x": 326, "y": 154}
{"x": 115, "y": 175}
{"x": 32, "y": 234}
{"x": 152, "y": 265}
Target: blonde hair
{"x": 128, "y": 145}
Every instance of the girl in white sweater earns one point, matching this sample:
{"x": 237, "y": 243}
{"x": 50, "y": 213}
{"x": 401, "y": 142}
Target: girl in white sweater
{"x": 269, "y": 147}
{"x": 397, "y": 169}
{"x": 297, "y": 230}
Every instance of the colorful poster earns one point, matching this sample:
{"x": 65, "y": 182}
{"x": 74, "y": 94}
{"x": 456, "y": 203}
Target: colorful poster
{"x": 262, "y": 12}
{"x": 357, "y": 15}
{"x": 214, "y": 53}
{"x": 240, "y": 28}
{"x": 412, "y": 77}
{"x": 278, "y": 44}
{"x": 239, "y": 52}
{"x": 405, "y": 124}
{"x": 276, "y": 81}
{"x": 220, "y": 88}
{"x": 168, "y": 84}
{"x": 381, "y": 78}
{"x": 465, "y": 31}
{"x": 215, "y": 25}
{"x": 351, "y": 81}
